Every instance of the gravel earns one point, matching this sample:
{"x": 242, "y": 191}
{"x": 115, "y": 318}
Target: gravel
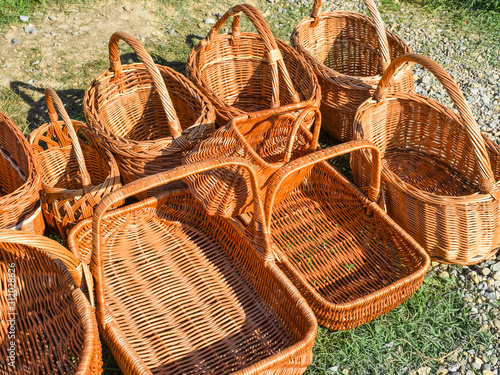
{"x": 14, "y": 40}
{"x": 24, "y": 18}
{"x": 30, "y": 29}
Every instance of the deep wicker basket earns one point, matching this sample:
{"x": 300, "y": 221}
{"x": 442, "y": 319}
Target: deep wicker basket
{"x": 182, "y": 292}
{"x": 441, "y": 176}
{"x": 75, "y": 174}
{"x": 349, "y": 52}
{"x": 20, "y": 181}
{"x": 147, "y": 115}
{"x": 345, "y": 255}
{"x": 248, "y": 72}
{"x": 267, "y": 140}
{"x": 50, "y": 324}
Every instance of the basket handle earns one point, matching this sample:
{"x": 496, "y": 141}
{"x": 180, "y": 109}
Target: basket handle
{"x": 75, "y": 267}
{"x": 116, "y": 66}
{"x": 487, "y": 178}
{"x": 274, "y": 57}
{"x": 317, "y": 157}
{"x": 379, "y": 27}
{"x": 163, "y": 178}
{"x": 295, "y": 128}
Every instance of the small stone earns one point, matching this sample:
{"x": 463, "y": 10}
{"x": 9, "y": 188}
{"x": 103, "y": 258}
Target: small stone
{"x": 14, "y": 40}
{"x": 171, "y": 31}
{"x": 434, "y": 263}
{"x": 426, "y": 80}
{"x": 486, "y": 366}
{"x": 444, "y": 275}
{"x": 31, "y": 82}
{"x": 201, "y": 25}
{"x": 493, "y": 360}
{"x": 478, "y": 361}
{"x": 496, "y": 266}
{"x": 126, "y": 8}
{"x": 271, "y": 1}
{"x": 488, "y": 372}
{"x": 442, "y": 370}
{"x": 454, "y": 367}
{"x": 74, "y": 33}
{"x": 24, "y": 18}
{"x": 35, "y": 62}
{"x": 496, "y": 322}
{"x": 473, "y": 276}
{"x": 475, "y": 366}
{"x": 486, "y": 271}
{"x": 424, "y": 371}
{"x": 345, "y": 371}
{"x": 209, "y": 21}
{"x": 52, "y": 33}
{"x": 52, "y": 18}
{"x": 482, "y": 286}
{"x": 30, "y": 29}
{"x": 389, "y": 344}
{"x": 469, "y": 372}
{"x": 333, "y": 369}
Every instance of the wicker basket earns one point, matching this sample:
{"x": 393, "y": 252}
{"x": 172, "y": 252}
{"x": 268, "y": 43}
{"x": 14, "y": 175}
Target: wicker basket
{"x": 349, "y": 260}
{"x": 441, "y": 175}
{"x": 249, "y": 72}
{"x": 49, "y": 322}
{"x": 181, "y": 292}
{"x": 75, "y": 175}
{"x": 147, "y": 115}
{"x": 349, "y": 52}
{"x": 267, "y": 140}
{"x": 20, "y": 181}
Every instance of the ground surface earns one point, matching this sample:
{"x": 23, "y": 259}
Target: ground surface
{"x": 452, "y": 324}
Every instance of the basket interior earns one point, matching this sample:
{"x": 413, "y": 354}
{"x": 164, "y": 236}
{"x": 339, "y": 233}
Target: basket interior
{"x": 194, "y": 281}
{"x": 49, "y": 335}
{"x": 347, "y": 43}
{"x": 240, "y": 76}
{"x": 12, "y": 177}
{"x": 131, "y": 108}
{"x": 343, "y": 255}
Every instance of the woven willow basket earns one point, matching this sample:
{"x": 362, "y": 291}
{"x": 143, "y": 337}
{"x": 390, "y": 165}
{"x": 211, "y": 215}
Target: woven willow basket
{"x": 147, "y": 115}
{"x": 344, "y": 254}
{"x": 348, "y": 52}
{"x": 75, "y": 174}
{"x": 49, "y": 322}
{"x": 267, "y": 140}
{"x": 247, "y": 72}
{"x": 440, "y": 175}
{"x": 182, "y": 292}
{"x": 20, "y": 181}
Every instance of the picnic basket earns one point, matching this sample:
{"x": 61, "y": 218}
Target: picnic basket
{"x": 48, "y": 324}
{"x": 75, "y": 174}
{"x": 182, "y": 292}
{"x": 147, "y": 115}
{"x": 440, "y": 174}
{"x": 349, "y": 52}
{"x": 249, "y": 72}
{"x": 20, "y": 181}
{"x": 344, "y": 254}
{"x": 268, "y": 139}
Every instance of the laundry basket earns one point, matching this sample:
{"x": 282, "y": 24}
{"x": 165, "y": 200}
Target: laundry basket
{"x": 349, "y": 52}
{"x": 20, "y": 181}
{"x": 75, "y": 174}
{"x": 147, "y": 115}
{"x": 440, "y": 175}
{"x": 344, "y": 254}
{"x": 182, "y": 292}
{"x": 48, "y": 325}
{"x": 249, "y": 72}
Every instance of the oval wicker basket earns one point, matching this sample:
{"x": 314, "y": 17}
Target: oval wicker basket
{"x": 75, "y": 174}
{"x": 147, "y": 115}
{"x": 247, "y": 72}
{"x": 182, "y": 292}
{"x": 441, "y": 176}
{"x": 50, "y": 323}
{"x": 20, "y": 181}
{"x": 349, "y": 52}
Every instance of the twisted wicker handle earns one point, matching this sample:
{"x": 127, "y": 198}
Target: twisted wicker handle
{"x": 160, "y": 179}
{"x": 379, "y": 27}
{"x": 487, "y": 178}
{"x": 319, "y": 156}
{"x": 74, "y": 266}
{"x": 274, "y": 57}
{"x": 296, "y": 125}
{"x": 116, "y": 66}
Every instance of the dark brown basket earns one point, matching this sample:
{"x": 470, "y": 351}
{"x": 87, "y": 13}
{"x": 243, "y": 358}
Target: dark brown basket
{"x": 75, "y": 174}
{"x": 182, "y": 292}
{"x": 249, "y": 72}
{"x": 441, "y": 176}
{"x": 20, "y": 181}
{"x": 267, "y": 139}
{"x": 349, "y": 52}
{"x": 48, "y": 324}
{"x": 147, "y": 115}
{"x": 349, "y": 260}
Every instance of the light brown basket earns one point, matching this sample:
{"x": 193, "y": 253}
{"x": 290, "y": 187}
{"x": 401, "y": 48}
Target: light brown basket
{"x": 48, "y": 324}
{"x": 20, "y": 181}
{"x": 349, "y": 260}
{"x": 75, "y": 174}
{"x": 182, "y": 292}
{"x": 349, "y": 52}
{"x": 440, "y": 175}
{"x": 269, "y": 139}
{"x": 147, "y": 115}
{"x": 249, "y": 72}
